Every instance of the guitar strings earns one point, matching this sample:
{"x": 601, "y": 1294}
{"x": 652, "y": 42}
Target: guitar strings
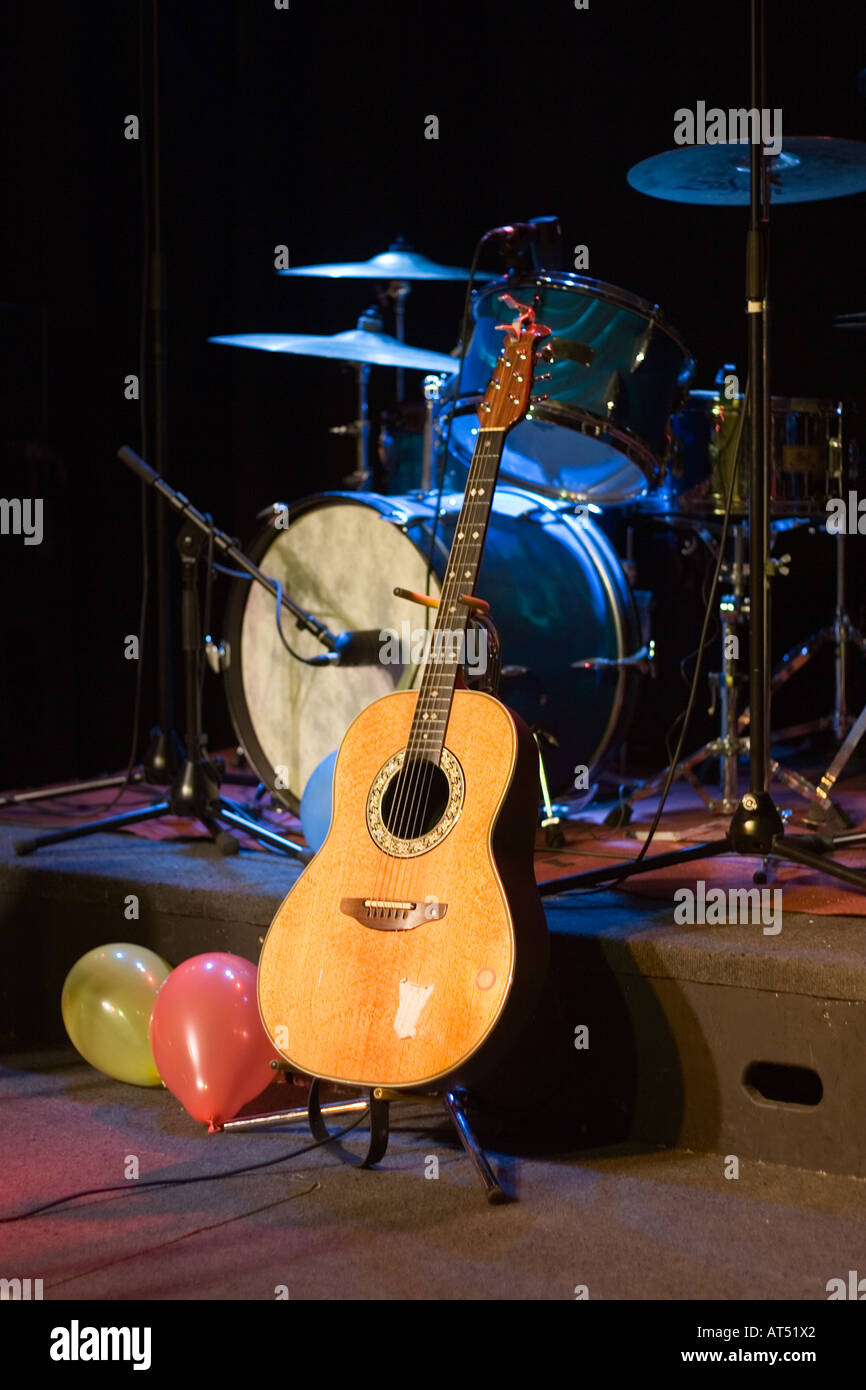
{"x": 418, "y": 774}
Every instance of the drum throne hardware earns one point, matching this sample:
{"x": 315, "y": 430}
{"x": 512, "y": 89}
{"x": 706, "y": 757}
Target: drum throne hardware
{"x": 195, "y": 791}
{"x": 757, "y": 827}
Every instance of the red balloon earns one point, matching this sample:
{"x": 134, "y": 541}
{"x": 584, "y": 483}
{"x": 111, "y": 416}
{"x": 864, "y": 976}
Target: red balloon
{"x": 207, "y": 1038}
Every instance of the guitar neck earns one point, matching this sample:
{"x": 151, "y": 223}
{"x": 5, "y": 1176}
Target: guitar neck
{"x": 427, "y": 735}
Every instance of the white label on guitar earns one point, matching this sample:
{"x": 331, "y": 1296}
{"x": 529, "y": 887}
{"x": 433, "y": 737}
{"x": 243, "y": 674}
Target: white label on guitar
{"x": 412, "y": 1001}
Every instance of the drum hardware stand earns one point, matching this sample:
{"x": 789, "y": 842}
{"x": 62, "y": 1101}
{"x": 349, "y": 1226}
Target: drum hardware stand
{"x": 195, "y": 790}
{"x": 373, "y": 322}
{"x": 823, "y": 813}
{"x": 377, "y": 1104}
{"x": 432, "y": 387}
{"x": 550, "y": 816}
{"x": 840, "y": 633}
{"x": 731, "y": 743}
{"x": 756, "y": 828}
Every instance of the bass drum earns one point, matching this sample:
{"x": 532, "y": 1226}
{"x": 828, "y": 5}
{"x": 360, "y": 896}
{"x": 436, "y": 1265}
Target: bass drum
{"x": 557, "y": 594}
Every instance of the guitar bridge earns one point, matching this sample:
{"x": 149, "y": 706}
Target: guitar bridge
{"x": 392, "y": 914}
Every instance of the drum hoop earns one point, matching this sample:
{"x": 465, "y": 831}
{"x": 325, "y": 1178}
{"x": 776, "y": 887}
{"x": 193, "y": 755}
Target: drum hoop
{"x": 583, "y": 422}
{"x": 598, "y": 289}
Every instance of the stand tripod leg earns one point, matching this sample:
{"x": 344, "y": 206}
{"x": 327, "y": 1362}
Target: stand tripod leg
{"x": 454, "y": 1101}
{"x": 235, "y": 817}
{"x": 110, "y": 823}
{"x": 299, "y": 1115}
{"x": 96, "y": 784}
{"x": 794, "y": 850}
{"x": 820, "y": 812}
{"x": 616, "y": 872}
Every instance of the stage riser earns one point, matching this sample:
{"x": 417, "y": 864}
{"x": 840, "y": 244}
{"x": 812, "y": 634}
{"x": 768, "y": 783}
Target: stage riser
{"x": 673, "y": 1063}
{"x": 676, "y": 1017}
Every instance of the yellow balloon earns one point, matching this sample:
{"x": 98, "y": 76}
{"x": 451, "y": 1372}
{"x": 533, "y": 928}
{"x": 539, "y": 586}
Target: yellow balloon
{"x": 106, "y": 1004}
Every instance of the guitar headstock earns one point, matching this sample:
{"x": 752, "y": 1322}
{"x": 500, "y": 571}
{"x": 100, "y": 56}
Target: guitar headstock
{"x": 506, "y": 399}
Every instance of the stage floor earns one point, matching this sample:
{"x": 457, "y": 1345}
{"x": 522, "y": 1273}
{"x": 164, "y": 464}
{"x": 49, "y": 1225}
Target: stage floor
{"x": 620, "y": 1167}
{"x": 624, "y": 1222}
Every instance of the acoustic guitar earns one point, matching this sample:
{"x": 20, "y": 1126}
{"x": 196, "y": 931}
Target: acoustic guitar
{"x": 413, "y": 948}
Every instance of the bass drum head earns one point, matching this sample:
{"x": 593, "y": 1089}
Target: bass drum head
{"x": 339, "y": 559}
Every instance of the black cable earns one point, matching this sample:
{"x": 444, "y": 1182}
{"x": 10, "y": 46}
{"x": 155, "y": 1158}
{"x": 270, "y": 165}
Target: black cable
{"x": 136, "y": 1186}
{"x": 307, "y": 660}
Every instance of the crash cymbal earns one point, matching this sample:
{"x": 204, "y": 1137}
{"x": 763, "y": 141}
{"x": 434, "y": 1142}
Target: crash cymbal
{"x": 390, "y": 265}
{"x": 358, "y": 345}
{"x": 808, "y": 169}
{"x": 856, "y": 321}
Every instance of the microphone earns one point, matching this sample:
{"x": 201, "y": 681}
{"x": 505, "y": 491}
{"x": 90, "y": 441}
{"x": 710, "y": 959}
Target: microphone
{"x": 534, "y": 245}
{"x": 511, "y": 229}
{"x": 353, "y": 648}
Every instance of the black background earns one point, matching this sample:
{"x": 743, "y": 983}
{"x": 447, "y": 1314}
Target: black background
{"x": 306, "y": 127}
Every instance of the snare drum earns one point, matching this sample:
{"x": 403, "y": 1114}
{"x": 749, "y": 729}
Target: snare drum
{"x": 806, "y": 460}
{"x": 601, "y": 434}
{"x": 557, "y": 592}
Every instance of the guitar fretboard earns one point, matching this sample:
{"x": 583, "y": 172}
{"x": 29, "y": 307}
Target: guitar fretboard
{"x": 427, "y": 735}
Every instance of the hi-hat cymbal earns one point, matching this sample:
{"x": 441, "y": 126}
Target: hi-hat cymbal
{"x": 390, "y": 265}
{"x": 808, "y": 169}
{"x": 358, "y": 345}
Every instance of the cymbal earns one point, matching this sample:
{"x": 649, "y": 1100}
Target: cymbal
{"x": 358, "y": 345}
{"x": 390, "y": 265}
{"x": 808, "y": 169}
{"x": 856, "y": 321}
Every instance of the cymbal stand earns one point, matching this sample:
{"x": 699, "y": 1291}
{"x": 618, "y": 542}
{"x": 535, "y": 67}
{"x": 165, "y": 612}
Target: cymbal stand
{"x": 756, "y": 828}
{"x": 372, "y": 321}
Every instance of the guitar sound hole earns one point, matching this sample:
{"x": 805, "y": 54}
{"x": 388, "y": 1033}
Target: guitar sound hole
{"x": 415, "y": 800}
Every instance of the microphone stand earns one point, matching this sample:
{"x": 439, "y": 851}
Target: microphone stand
{"x": 756, "y": 827}
{"x": 195, "y": 790}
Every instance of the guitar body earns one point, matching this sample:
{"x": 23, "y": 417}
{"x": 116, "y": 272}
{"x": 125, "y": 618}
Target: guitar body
{"x": 417, "y": 968}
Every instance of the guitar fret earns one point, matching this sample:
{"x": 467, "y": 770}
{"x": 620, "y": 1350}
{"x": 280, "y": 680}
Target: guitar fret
{"x": 436, "y": 693}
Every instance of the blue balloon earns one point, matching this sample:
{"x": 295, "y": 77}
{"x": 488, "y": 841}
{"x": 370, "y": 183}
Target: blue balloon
{"x": 317, "y": 802}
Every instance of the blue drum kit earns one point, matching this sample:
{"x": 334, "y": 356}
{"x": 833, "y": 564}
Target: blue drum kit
{"x": 623, "y": 427}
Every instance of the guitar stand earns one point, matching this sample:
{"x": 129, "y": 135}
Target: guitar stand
{"x": 377, "y": 1104}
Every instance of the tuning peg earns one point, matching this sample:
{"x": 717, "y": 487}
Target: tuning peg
{"x": 535, "y": 399}
{"x": 543, "y": 376}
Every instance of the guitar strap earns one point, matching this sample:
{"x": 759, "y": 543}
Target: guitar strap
{"x": 378, "y": 1137}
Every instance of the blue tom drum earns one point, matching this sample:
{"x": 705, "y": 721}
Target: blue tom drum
{"x": 600, "y": 435}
